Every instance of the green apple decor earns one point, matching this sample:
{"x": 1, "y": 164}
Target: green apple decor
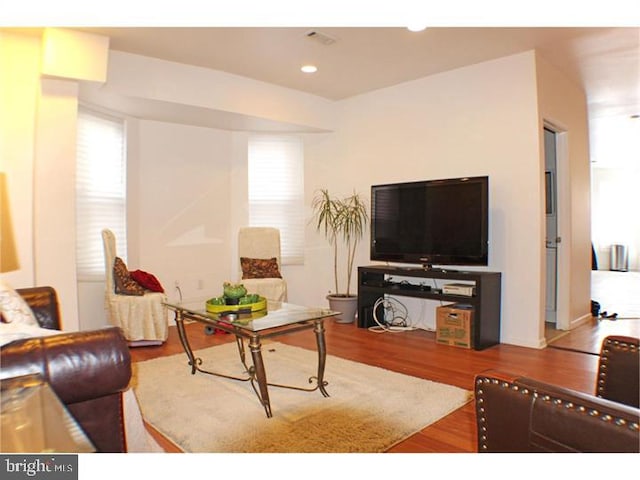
{"x": 234, "y": 294}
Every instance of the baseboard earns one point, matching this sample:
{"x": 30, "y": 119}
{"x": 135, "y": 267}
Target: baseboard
{"x": 145, "y": 343}
{"x": 580, "y": 321}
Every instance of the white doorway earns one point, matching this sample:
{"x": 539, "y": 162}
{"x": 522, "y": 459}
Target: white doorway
{"x": 557, "y": 223}
{"x": 552, "y": 239}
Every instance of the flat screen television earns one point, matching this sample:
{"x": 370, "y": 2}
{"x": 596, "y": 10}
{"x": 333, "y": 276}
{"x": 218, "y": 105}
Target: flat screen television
{"x": 431, "y": 222}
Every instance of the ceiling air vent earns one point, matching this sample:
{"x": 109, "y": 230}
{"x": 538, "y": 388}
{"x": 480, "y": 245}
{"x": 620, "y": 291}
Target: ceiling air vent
{"x": 320, "y": 37}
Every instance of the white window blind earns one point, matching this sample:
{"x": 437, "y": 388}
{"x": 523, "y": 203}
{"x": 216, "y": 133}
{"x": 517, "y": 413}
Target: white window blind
{"x": 100, "y": 190}
{"x": 276, "y": 190}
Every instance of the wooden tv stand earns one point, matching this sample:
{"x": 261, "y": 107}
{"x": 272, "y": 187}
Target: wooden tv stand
{"x": 372, "y": 285}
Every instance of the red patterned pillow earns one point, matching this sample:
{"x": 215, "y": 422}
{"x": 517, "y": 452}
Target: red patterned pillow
{"x": 147, "y": 280}
{"x": 125, "y": 285}
{"x": 259, "y": 268}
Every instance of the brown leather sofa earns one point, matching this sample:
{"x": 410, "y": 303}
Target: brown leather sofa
{"x": 519, "y": 414}
{"x": 87, "y": 370}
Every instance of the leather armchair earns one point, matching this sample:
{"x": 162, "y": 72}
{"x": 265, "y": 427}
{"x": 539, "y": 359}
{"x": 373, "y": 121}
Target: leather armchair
{"x": 87, "y": 370}
{"x": 519, "y": 414}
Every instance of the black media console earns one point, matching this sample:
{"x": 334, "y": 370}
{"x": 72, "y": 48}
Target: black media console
{"x": 373, "y": 283}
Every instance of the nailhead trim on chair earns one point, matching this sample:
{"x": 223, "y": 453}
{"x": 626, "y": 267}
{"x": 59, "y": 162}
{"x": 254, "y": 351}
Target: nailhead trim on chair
{"x": 604, "y": 358}
{"x": 621, "y": 422}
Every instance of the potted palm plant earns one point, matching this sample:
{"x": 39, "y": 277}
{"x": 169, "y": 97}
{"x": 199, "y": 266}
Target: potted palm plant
{"x": 342, "y": 220}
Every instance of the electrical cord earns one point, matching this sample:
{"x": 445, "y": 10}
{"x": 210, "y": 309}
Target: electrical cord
{"x": 395, "y": 318}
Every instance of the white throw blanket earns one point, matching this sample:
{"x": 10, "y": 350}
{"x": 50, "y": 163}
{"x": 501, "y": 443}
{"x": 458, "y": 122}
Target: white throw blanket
{"x": 17, "y": 331}
{"x": 138, "y": 438}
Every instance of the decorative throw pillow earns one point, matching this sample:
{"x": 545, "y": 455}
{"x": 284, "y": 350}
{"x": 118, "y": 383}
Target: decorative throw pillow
{"x": 13, "y": 308}
{"x": 147, "y": 280}
{"x": 259, "y": 268}
{"x": 125, "y": 285}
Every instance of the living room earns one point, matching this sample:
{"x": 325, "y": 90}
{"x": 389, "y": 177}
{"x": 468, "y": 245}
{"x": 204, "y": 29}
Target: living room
{"x": 499, "y": 104}
{"x": 479, "y": 119}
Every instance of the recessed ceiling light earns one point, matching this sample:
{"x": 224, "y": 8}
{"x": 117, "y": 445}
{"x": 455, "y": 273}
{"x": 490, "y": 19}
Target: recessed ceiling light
{"x": 416, "y": 28}
{"x": 309, "y": 68}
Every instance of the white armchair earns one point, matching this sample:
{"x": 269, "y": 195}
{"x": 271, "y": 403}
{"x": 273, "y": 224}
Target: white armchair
{"x": 262, "y": 243}
{"x": 143, "y": 318}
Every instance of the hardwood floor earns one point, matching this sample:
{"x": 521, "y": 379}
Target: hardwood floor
{"x": 618, "y": 293}
{"x": 588, "y": 337}
{"x": 416, "y": 353}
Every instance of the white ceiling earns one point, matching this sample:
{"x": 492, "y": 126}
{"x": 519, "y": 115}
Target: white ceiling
{"x": 604, "y": 61}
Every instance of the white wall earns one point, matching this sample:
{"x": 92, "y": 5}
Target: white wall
{"x": 54, "y": 186}
{"x": 183, "y": 194}
{"x": 478, "y": 120}
{"x": 563, "y": 104}
{"x": 19, "y": 80}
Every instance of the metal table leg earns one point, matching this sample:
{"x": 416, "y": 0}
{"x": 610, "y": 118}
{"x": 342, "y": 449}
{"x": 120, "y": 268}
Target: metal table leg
{"x": 322, "y": 355}
{"x": 193, "y": 361}
{"x": 259, "y": 374}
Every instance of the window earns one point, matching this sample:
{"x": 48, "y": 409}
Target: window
{"x": 100, "y": 190}
{"x": 276, "y": 191}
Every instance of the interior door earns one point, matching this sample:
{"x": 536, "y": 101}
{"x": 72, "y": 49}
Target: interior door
{"x": 552, "y": 239}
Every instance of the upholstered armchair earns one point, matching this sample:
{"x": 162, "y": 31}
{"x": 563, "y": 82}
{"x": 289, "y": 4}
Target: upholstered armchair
{"x": 259, "y": 251}
{"x": 143, "y": 317}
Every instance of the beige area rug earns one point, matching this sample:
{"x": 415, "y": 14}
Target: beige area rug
{"x": 370, "y": 409}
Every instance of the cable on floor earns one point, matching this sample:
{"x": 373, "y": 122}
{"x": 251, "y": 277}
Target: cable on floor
{"x": 395, "y": 316}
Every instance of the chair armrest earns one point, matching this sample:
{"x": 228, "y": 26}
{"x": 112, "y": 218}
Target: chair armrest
{"x": 525, "y": 415}
{"x": 44, "y": 304}
{"x": 619, "y": 370}
{"x": 79, "y": 366}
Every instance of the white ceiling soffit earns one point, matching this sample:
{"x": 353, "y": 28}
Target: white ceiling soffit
{"x": 170, "y": 112}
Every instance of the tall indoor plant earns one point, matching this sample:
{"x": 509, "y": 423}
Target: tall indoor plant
{"x": 342, "y": 220}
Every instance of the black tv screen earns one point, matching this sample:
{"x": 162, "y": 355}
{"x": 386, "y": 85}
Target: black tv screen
{"x": 431, "y": 222}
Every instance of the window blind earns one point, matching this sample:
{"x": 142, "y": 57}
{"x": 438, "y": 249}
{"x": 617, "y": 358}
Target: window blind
{"x": 276, "y": 190}
{"x": 100, "y": 190}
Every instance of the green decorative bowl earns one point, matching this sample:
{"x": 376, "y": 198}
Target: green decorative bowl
{"x": 255, "y": 307}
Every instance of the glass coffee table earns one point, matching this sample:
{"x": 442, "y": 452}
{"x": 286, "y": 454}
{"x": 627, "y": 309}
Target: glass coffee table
{"x": 254, "y": 326}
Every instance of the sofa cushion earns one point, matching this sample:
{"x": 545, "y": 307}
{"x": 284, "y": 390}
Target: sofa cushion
{"x": 259, "y": 268}
{"x": 13, "y": 308}
{"x": 125, "y": 285}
